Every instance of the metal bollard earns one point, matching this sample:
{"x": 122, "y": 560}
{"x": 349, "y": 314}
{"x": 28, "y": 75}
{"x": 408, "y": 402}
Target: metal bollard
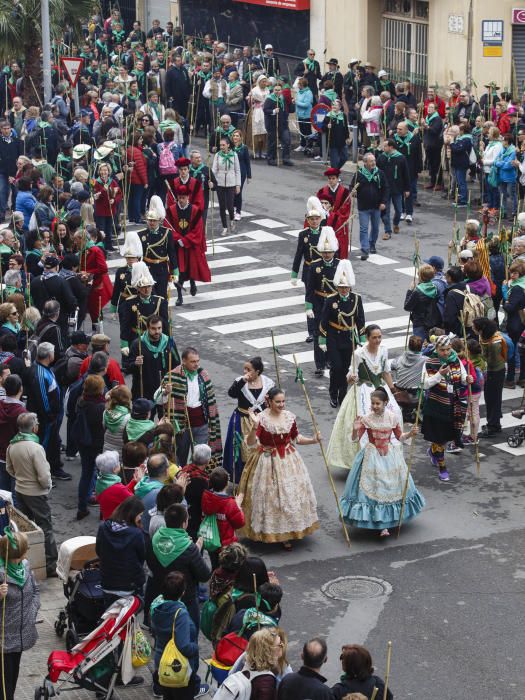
{"x": 354, "y": 143}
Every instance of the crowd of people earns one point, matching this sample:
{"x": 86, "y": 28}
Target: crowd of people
{"x": 147, "y": 429}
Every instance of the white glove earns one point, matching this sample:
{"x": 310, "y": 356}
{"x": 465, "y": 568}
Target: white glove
{"x": 323, "y": 348}
{"x": 181, "y": 242}
{"x": 310, "y": 313}
{"x": 124, "y": 351}
{"x": 293, "y": 281}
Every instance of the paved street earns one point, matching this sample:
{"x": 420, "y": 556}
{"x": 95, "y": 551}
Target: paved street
{"x": 448, "y": 591}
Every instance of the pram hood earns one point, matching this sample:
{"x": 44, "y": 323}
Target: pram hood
{"x": 73, "y": 555}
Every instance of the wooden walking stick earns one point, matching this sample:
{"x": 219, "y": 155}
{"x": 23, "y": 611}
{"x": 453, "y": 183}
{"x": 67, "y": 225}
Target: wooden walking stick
{"x": 140, "y": 353}
{"x": 275, "y": 361}
{"x": 387, "y": 673}
{"x": 7, "y": 533}
{"x": 416, "y": 260}
{"x": 300, "y": 378}
{"x": 256, "y": 600}
{"x": 374, "y": 693}
{"x": 277, "y": 135}
{"x": 410, "y": 460}
{"x": 469, "y": 388}
{"x": 354, "y": 389}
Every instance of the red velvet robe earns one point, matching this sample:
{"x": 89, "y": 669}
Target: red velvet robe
{"x": 93, "y": 262}
{"x": 192, "y": 254}
{"x": 339, "y": 216}
{"x": 195, "y": 188}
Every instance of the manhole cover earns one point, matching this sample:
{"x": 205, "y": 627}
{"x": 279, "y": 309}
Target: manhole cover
{"x": 355, "y": 587}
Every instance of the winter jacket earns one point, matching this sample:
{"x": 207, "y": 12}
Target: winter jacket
{"x": 120, "y": 548}
{"x": 114, "y": 440}
{"x": 74, "y": 360}
{"x": 480, "y": 287}
{"x": 306, "y": 683}
{"x": 515, "y": 302}
{"x": 370, "y": 194}
{"x": 25, "y": 203}
{"x": 407, "y": 368}
{"x": 108, "y": 191}
{"x": 234, "y": 98}
{"x": 149, "y": 499}
{"x": 433, "y": 134}
{"x": 243, "y": 154}
{"x": 44, "y": 215}
{"x": 185, "y": 631}
{"x": 506, "y": 171}
{"x": 454, "y": 302}
{"x": 93, "y": 410}
{"x": 229, "y": 516}
{"x": 337, "y": 133}
{"x": 460, "y": 150}
{"x": 112, "y": 497}
{"x": 304, "y": 101}
{"x": 21, "y": 608}
{"x": 139, "y": 173}
{"x": 10, "y": 409}
{"x": 227, "y": 174}
{"x": 193, "y": 495}
{"x": 491, "y": 154}
{"x": 469, "y": 112}
{"x": 26, "y": 462}
{"x": 190, "y": 563}
{"x": 395, "y": 168}
{"x": 440, "y": 283}
{"x": 113, "y": 375}
{"x": 411, "y": 149}
{"x": 43, "y": 393}
{"x": 10, "y": 149}
{"x": 347, "y": 686}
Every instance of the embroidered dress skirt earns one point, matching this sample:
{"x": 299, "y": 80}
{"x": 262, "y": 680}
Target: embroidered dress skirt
{"x": 279, "y": 501}
{"x": 373, "y": 493}
{"x": 235, "y": 448}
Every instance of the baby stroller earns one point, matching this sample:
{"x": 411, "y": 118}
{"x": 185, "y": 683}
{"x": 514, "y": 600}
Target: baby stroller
{"x": 313, "y": 145}
{"x": 78, "y": 569}
{"x": 94, "y": 663}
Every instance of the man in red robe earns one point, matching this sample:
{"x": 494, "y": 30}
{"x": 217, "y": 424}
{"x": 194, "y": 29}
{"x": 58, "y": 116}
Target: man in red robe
{"x": 340, "y": 196}
{"x": 196, "y": 194}
{"x": 185, "y": 221}
{"x": 93, "y": 267}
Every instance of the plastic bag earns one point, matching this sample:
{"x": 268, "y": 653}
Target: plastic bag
{"x": 209, "y": 531}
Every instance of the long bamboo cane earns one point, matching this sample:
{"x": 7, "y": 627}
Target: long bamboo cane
{"x": 275, "y": 361}
{"x": 387, "y": 673}
{"x": 140, "y": 353}
{"x": 374, "y": 693}
{"x": 4, "y": 692}
{"x": 277, "y": 135}
{"x": 469, "y": 388}
{"x": 410, "y": 460}
{"x": 299, "y": 375}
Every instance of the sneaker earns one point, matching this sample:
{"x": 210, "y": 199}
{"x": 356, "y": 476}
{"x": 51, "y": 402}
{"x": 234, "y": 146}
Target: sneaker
{"x": 237, "y": 216}
{"x": 518, "y": 413}
{"x": 372, "y": 250}
{"x": 333, "y": 403}
{"x": 157, "y": 690}
{"x": 299, "y": 149}
{"x": 202, "y": 690}
{"x": 317, "y": 157}
{"x": 408, "y": 218}
{"x": 509, "y": 384}
{"x": 396, "y": 229}
{"x": 224, "y": 232}
{"x": 443, "y": 475}
{"x": 453, "y": 448}
{"x": 61, "y": 475}
{"x": 309, "y": 339}
{"x": 468, "y": 440}
{"x": 403, "y": 216}
{"x": 233, "y": 226}
{"x": 364, "y": 255}
{"x": 433, "y": 459}
{"x": 70, "y": 458}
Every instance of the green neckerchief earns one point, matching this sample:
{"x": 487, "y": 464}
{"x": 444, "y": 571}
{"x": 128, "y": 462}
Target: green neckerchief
{"x": 331, "y": 94}
{"x": 113, "y": 418}
{"x": 411, "y": 123}
{"x": 139, "y": 74}
{"x": 15, "y": 328}
{"x": 44, "y": 125}
{"x": 8, "y": 289}
{"x": 169, "y": 543}
{"x": 137, "y": 427}
{"x": 315, "y": 231}
{"x": 18, "y": 573}
{"x": 234, "y": 83}
{"x": 309, "y": 63}
{"x": 384, "y": 83}
{"x": 203, "y": 75}
{"x": 463, "y": 136}
{"x": 159, "y": 600}
{"x": 225, "y": 132}
{"x": 394, "y": 154}
{"x": 35, "y": 251}
{"x": 520, "y": 282}
{"x": 404, "y": 140}
{"x": 371, "y": 174}
{"x": 195, "y": 171}
{"x": 451, "y": 359}
{"x": 145, "y": 486}
{"x": 104, "y": 481}
{"x": 167, "y": 124}
{"x": 190, "y": 374}
{"x": 20, "y": 437}
{"x": 338, "y": 116}
{"x": 329, "y": 263}
{"x": 156, "y": 349}
{"x": 344, "y": 298}
{"x": 430, "y": 117}
{"x": 278, "y": 101}
{"x": 237, "y": 149}
{"x": 228, "y": 158}
{"x": 155, "y": 107}
{"x": 476, "y": 130}
{"x": 428, "y": 289}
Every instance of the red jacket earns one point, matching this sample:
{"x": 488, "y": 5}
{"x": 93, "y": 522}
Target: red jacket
{"x": 110, "y": 498}
{"x": 113, "y": 372}
{"x": 10, "y": 409}
{"x": 503, "y": 123}
{"x": 109, "y": 191}
{"x": 440, "y": 106}
{"x": 139, "y": 172}
{"x": 229, "y": 516}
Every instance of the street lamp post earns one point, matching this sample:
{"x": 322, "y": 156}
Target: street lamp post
{"x": 46, "y": 50}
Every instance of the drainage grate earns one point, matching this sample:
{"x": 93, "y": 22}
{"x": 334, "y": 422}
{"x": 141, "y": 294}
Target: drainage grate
{"x": 355, "y": 587}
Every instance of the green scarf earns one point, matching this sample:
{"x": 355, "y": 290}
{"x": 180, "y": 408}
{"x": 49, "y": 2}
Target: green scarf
{"x": 225, "y": 132}
{"x": 464, "y": 136}
{"x": 136, "y": 427}
{"x": 428, "y": 289}
{"x": 331, "y": 94}
{"x": 344, "y": 298}
{"x": 203, "y": 75}
{"x": 520, "y": 282}
{"x": 430, "y": 117}
{"x": 35, "y": 251}
{"x": 167, "y": 124}
{"x": 451, "y": 359}
{"x": 169, "y": 543}
{"x": 104, "y": 481}
{"x": 156, "y": 349}
{"x": 227, "y": 158}
{"x": 278, "y": 100}
{"x": 155, "y": 108}
{"x": 234, "y": 83}
{"x": 405, "y": 141}
{"x": 8, "y": 289}
{"x": 114, "y": 417}
{"x": 195, "y": 172}
{"x": 411, "y": 123}
{"x": 44, "y": 125}
{"x": 371, "y": 175}
{"x": 15, "y": 328}
{"x": 16, "y": 572}
{"x": 145, "y": 486}
{"x": 338, "y": 116}
{"x": 309, "y": 63}
{"x": 20, "y": 437}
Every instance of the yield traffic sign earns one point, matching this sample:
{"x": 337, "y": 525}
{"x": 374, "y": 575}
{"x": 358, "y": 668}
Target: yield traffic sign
{"x": 72, "y": 68}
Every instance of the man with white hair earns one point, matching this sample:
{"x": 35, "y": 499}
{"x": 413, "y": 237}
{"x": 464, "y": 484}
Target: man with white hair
{"x": 371, "y": 190}
{"x": 109, "y": 489}
{"x": 518, "y": 245}
{"x": 26, "y": 462}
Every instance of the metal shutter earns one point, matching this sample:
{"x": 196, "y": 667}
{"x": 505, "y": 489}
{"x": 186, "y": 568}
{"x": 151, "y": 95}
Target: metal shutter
{"x": 518, "y": 55}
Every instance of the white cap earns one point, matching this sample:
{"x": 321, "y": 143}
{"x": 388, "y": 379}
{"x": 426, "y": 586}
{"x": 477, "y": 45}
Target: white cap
{"x": 382, "y": 73}
{"x": 314, "y": 212}
{"x": 355, "y": 60}
{"x": 327, "y": 240}
{"x": 268, "y": 46}
{"x": 344, "y": 274}
{"x": 521, "y": 219}
{"x": 141, "y": 276}
{"x": 80, "y": 150}
{"x": 314, "y": 203}
{"x": 156, "y": 209}
{"x": 132, "y": 246}
{"x": 101, "y": 152}
{"x": 466, "y": 254}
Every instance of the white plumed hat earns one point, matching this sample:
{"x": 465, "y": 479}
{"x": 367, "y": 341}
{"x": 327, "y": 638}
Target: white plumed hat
{"x": 314, "y": 204}
{"x": 156, "y": 209}
{"x": 327, "y": 240}
{"x": 132, "y": 246}
{"x": 141, "y": 276}
{"x": 344, "y": 274}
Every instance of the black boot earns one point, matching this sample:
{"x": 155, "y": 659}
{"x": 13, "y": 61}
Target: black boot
{"x": 179, "y": 295}
{"x": 193, "y": 288}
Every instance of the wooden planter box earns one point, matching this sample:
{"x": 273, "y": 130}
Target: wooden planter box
{"x": 35, "y": 536}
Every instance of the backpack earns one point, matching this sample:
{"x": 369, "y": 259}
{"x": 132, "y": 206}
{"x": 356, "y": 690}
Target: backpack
{"x": 59, "y": 369}
{"x": 473, "y": 306}
{"x": 216, "y": 616}
{"x": 80, "y": 430}
{"x": 238, "y": 686}
{"x": 508, "y": 348}
{"x": 230, "y": 647}
{"x": 167, "y": 161}
{"x": 488, "y": 306}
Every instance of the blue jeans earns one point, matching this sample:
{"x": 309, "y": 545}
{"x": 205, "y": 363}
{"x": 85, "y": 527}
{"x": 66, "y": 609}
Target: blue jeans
{"x": 136, "y": 193}
{"x": 4, "y": 195}
{"x": 338, "y": 157}
{"x": 461, "y": 182}
{"x": 397, "y": 201}
{"x": 368, "y": 217}
{"x": 508, "y": 189}
{"x": 491, "y": 194}
{"x": 87, "y": 477}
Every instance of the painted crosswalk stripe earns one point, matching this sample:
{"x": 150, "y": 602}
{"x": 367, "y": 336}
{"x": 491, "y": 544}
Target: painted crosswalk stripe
{"x": 232, "y": 262}
{"x": 409, "y": 271}
{"x": 281, "y": 320}
{"x": 239, "y": 309}
{"x": 246, "y": 291}
{"x": 308, "y": 355}
{"x": 113, "y": 263}
{"x": 298, "y": 337}
{"x": 378, "y": 259}
{"x": 293, "y": 232}
{"x": 269, "y": 223}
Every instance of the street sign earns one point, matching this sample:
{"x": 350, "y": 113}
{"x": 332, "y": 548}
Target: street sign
{"x": 72, "y": 68}
{"x": 281, "y": 4}
{"x": 318, "y": 114}
{"x": 518, "y": 15}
